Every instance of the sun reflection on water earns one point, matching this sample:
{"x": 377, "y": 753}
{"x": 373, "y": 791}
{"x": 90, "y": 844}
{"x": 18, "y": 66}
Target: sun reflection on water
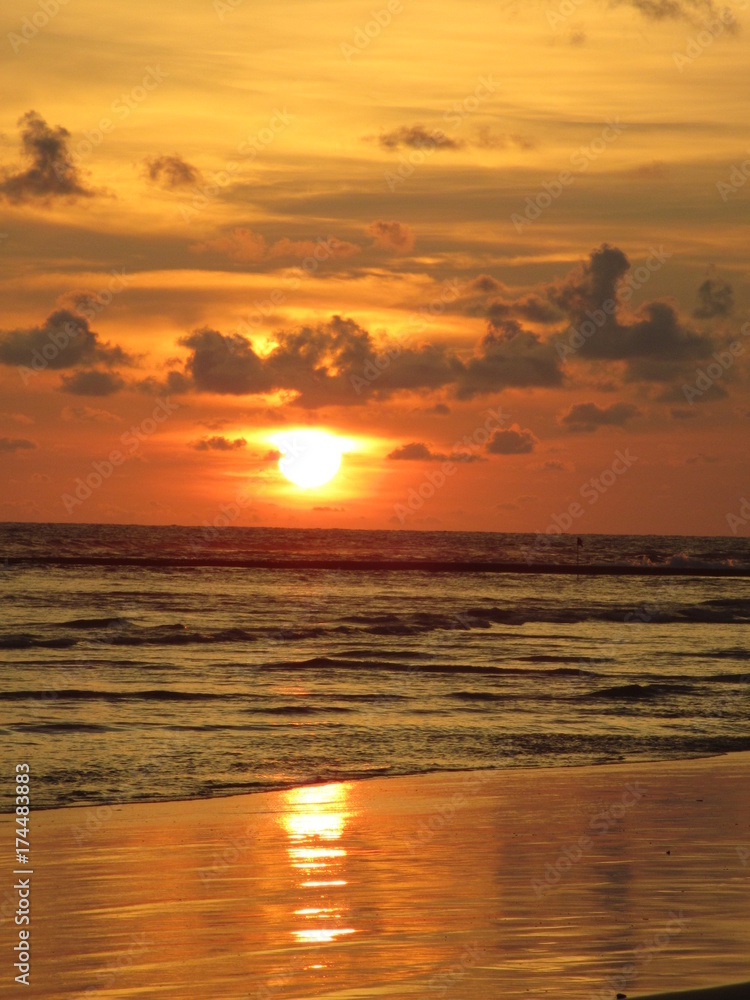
{"x": 315, "y": 817}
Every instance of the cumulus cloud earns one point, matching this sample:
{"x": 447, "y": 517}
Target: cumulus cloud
{"x": 92, "y": 383}
{"x": 513, "y": 441}
{"x": 653, "y": 342}
{"x": 170, "y": 172}
{"x": 417, "y": 451}
{"x": 508, "y": 357}
{"x": 64, "y": 340}
{"x": 10, "y": 445}
{"x": 394, "y": 236}
{"x": 51, "y": 172}
{"x": 587, "y": 417}
{"x": 417, "y": 137}
{"x": 715, "y": 298}
{"x": 219, "y": 443}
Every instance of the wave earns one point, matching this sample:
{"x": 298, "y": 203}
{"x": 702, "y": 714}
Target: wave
{"x": 639, "y": 691}
{"x": 675, "y": 565}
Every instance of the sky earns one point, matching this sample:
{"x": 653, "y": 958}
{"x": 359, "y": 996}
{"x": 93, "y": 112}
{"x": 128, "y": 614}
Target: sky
{"x": 493, "y": 252}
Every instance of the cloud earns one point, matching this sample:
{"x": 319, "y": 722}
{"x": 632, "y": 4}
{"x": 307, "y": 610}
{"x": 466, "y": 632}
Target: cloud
{"x": 394, "y": 236}
{"x": 510, "y": 357}
{"x": 240, "y": 245}
{"x": 695, "y": 12}
{"x": 63, "y": 341}
{"x": 92, "y": 383}
{"x": 51, "y": 174}
{"x": 487, "y": 139}
{"x": 334, "y": 509}
{"x": 15, "y": 444}
{"x": 715, "y": 298}
{"x": 417, "y": 451}
{"x": 653, "y": 342}
{"x": 171, "y": 172}
{"x": 244, "y": 245}
{"x": 224, "y": 364}
{"x": 219, "y": 443}
{"x": 89, "y": 414}
{"x": 513, "y": 441}
{"x": 587, "y": 417}
{"x": 417, "y": 137}
{"x": 439, "y": 409}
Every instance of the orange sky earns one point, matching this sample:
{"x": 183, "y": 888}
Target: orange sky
{"x": 498, "y": 249}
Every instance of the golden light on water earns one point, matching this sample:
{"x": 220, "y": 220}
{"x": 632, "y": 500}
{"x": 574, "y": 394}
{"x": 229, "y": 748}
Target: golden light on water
{"x": 316, "y": 816}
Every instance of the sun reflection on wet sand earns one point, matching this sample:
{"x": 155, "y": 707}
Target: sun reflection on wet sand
{"x": 315, "y": 817}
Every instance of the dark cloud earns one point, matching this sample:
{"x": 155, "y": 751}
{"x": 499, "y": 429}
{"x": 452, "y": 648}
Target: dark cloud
{"x": 587, "y": 417}
{"x": 219, "y": 443}
{"x": 394, "y": 236}
{"x": 653, "y": 342}
{"x": 171, "y": 172}
{"x": 715, "y": 298}
{"x": 439, "y": 409}
{"x": 92, "y": 383}
{"x": 52, "y": 172}
{"x": 224, "y": 364}
{"x": 695, "y": 12}
{"x": 15, "y": 444}
{"x": 531, "y": 308}
{"x": 63, "y": 341}
{"x": 330, "y": 363}
{"x": 510, "y": 357}
{"x": 513, "y": 441}
{"x": 419, "y": 452}
{"x": 417, "y": 137}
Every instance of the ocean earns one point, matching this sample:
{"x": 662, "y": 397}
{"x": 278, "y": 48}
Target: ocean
{"x": 152, "y": 663}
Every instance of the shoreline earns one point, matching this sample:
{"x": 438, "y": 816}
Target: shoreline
{"x": 322, "y": 782}
{"x": 576, "y": 882}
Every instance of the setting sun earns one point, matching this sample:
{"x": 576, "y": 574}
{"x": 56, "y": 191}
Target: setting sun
{"x": 309, "y": 458}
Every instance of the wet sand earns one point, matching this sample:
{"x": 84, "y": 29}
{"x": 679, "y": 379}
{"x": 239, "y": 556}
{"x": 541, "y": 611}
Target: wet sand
{"x": 559, "y": 883}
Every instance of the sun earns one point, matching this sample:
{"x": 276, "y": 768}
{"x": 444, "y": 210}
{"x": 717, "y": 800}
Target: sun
{"x": 309, "y": 458}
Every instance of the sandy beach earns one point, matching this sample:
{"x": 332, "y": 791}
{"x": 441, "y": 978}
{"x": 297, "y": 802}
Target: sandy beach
{"x": 565, "y": 883}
